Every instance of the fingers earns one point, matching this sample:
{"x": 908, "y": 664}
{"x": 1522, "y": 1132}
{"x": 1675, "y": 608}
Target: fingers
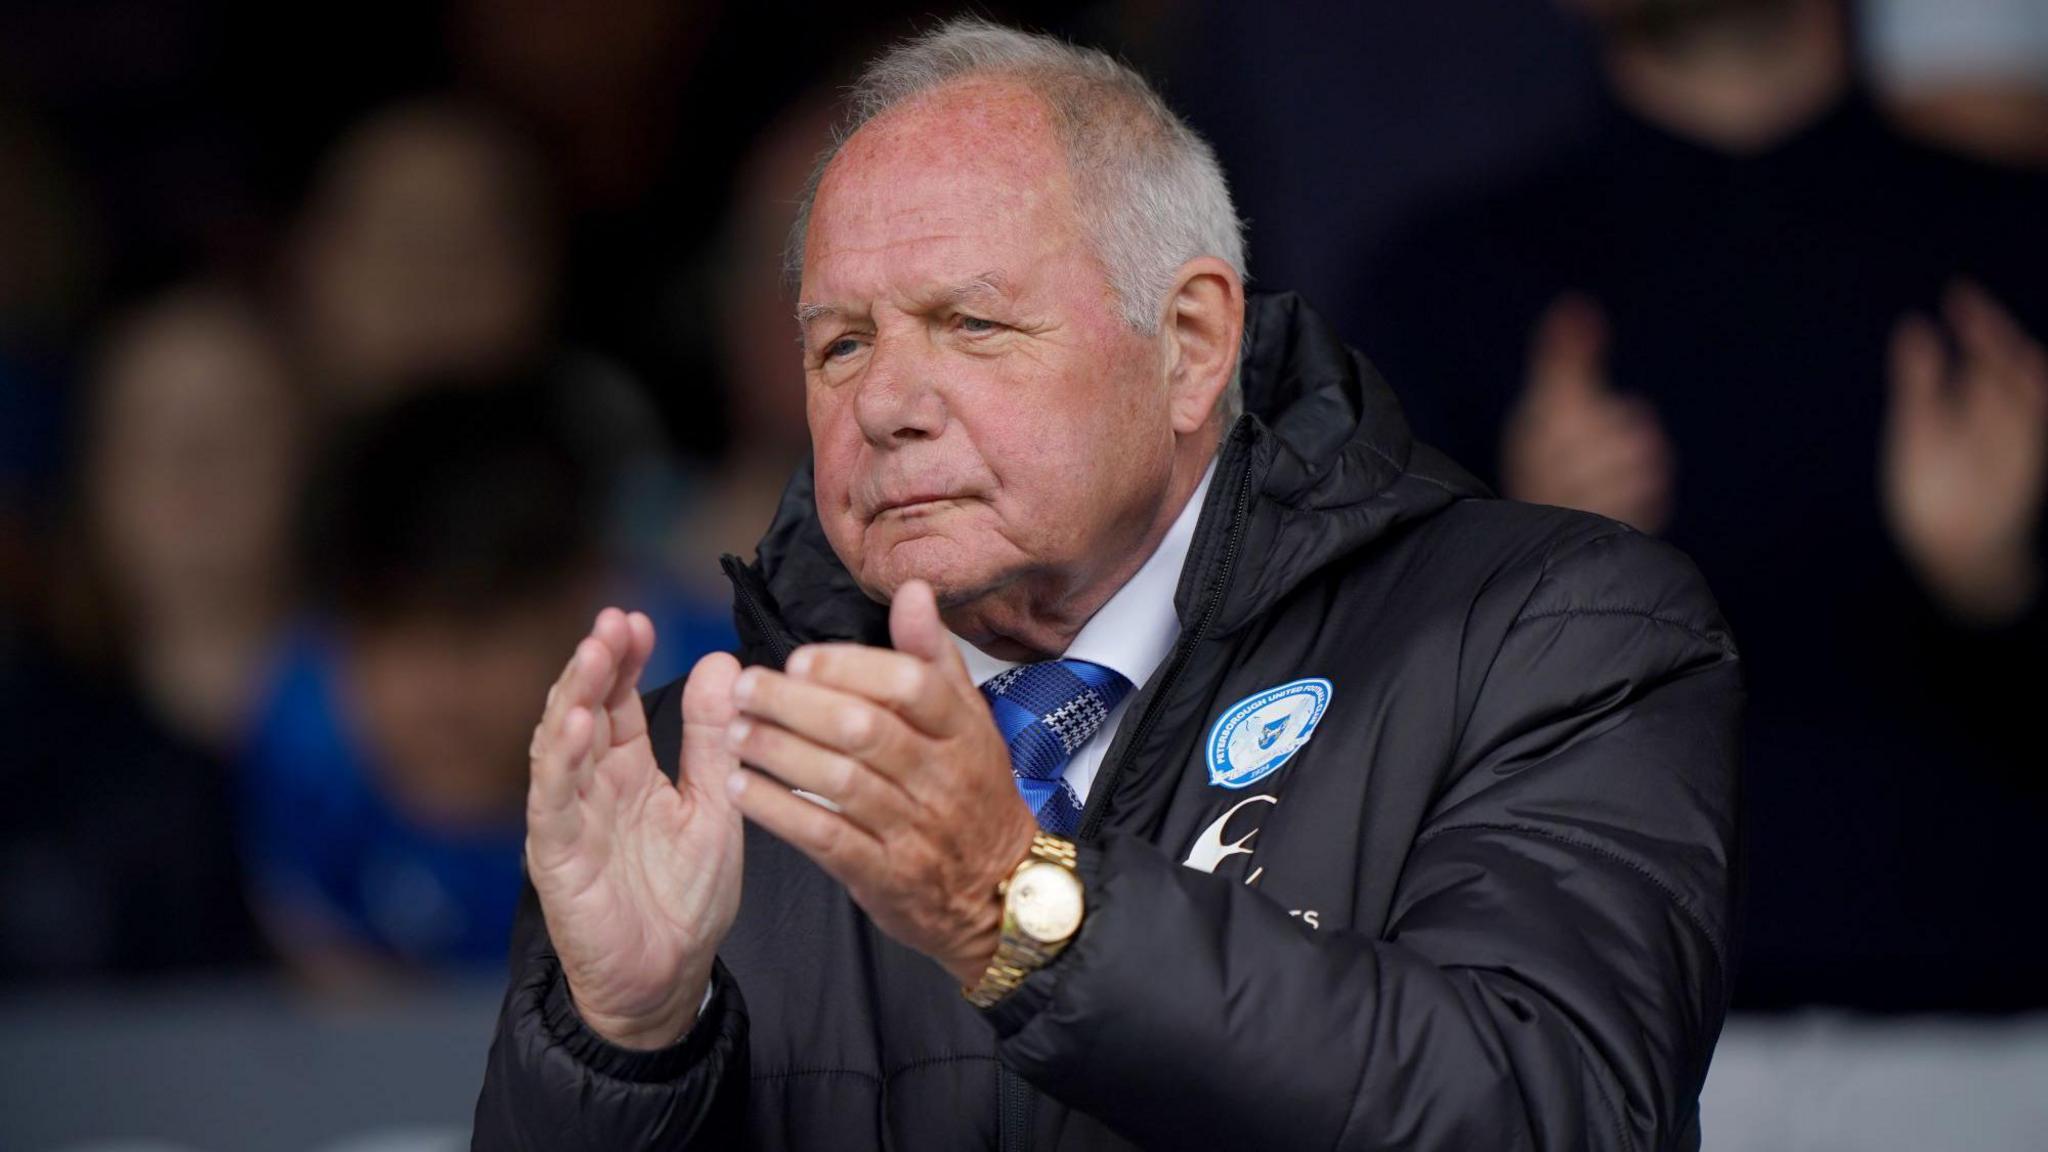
{"x": 1628, "y": 479}
{"x": 1996, "y": 350}
{"x": 593, "y": 668}
{"x": 1622, "y": 460}
{"x": 836, "y": 720}
{"x": 583, "y": 679}
{"x": 924, "y": 680}
{"x": 1982, "y": 328}
{"x": 1574, "y": 442}
{"x": 633, "y": 635}
{"x": 911, "y": 687}
{"x": 604, "y": 663}
{"x": 560, "y": 751}
{"x": 868, "y": 798}
{"x": 1609, "y": 456}
{"x": 848, "y": 854}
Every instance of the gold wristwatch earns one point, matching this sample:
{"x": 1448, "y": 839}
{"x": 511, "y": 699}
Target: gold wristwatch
{"x": 1042, "y": 906}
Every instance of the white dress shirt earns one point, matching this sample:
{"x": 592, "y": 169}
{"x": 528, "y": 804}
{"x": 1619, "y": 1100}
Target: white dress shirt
{"x": 1130, "y": 634}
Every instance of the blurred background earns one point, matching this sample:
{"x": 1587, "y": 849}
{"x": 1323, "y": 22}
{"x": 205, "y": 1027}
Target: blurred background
{"x": 352, "y": 355}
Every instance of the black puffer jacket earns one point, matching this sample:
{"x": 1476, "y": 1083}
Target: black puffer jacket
{"x": 1486, "y": 906}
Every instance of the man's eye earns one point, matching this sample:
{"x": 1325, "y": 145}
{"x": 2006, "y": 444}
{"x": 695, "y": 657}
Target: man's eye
{"x": 841, "y": 348}
{"x": 976, "y": 326}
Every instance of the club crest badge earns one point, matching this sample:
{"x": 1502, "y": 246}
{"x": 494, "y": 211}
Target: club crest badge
{"x": 1263, "y": 731}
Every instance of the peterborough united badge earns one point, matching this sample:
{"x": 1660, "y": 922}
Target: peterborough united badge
{"x": 1261, "y": 732}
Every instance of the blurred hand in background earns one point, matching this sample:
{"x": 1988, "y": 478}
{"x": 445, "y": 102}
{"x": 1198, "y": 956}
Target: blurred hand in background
{"x": 1575, "y": 442}
{"x": 1966, "y": 455}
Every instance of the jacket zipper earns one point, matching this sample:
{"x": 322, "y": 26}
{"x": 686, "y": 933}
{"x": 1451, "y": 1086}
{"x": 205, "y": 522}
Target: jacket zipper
{"x": 769, "y": 633}
{"x": 1013, "y": 1117}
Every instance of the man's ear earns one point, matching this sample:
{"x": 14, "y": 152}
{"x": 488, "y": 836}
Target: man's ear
{"x": 1203, "y": 326}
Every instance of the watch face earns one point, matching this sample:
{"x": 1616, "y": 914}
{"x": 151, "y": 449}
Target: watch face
{"x": 1045, "y": 901}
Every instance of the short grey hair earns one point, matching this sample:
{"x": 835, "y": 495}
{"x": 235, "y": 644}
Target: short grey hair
{"x": 1150, "y": 191}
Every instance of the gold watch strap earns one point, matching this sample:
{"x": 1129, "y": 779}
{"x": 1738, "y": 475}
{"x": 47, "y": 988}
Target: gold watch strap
{"x": 1016, "y": 956}
{"x": 1051, "y": 849}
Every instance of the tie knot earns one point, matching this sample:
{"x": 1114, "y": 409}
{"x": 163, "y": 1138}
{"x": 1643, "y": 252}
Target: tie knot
{"x": 1047, "y": 710}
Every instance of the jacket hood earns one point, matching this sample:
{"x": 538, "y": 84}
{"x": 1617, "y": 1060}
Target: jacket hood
{"x": 1320, "y": 465}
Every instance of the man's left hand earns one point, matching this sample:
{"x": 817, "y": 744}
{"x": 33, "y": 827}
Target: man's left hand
{"x": 901, "y": 742}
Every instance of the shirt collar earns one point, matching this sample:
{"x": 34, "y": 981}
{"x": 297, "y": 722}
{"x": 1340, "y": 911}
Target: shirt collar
{"x": 1134, "y": 631}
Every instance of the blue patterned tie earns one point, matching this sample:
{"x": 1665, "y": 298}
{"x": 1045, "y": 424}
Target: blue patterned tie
{"x": 1045, "y": 712}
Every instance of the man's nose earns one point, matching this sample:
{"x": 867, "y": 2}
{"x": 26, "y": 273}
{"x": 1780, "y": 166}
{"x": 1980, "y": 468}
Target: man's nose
{"x": 898, "y": 400}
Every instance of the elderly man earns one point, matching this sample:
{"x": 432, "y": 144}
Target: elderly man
{"x": 1260, "y": 783}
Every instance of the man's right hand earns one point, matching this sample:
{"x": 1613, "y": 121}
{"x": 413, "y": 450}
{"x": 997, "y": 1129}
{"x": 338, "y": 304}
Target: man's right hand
{"x": 639, "y": 879}
{"x": 1573, "y": 441}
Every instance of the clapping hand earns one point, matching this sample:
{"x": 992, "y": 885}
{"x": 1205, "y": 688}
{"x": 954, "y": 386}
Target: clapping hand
{"x": 1573, "y": 441}
{"x": 926, "y": 818}
{"x": 1966, "y": 455}
{"x": 638, "y": 877}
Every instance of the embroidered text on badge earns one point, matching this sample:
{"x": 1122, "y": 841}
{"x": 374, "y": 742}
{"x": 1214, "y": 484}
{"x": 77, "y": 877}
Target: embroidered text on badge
{"x": 1260, "y": 732}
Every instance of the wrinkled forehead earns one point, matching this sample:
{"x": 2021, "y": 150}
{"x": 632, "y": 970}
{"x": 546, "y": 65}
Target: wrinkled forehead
{"x": 970, "y": 174}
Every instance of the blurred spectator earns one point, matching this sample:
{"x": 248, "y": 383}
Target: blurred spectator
{"x": 195, "y": 435}
{"x": 642, "y": 113}
{"x": 1692, "y": 323}
{"x": 1337, "y": 120}
{"x": 1971, "y": 73}
{"x": 454, "y": 546}
{"x": 682, "y": 520}
{"x": 644, "y": 110}
{"x": 767, "y": 435}
{"x": 119, "y": 853}
{"x": 428, "y": 248}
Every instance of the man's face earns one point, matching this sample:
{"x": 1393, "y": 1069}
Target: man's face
{"x": 981, "y": 414}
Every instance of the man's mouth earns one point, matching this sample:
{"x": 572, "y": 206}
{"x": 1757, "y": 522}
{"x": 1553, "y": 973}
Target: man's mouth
{"x": 915, "y": 503}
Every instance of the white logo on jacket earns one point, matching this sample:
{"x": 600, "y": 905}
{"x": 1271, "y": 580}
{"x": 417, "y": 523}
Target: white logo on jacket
{"x": 1210, "y": 850}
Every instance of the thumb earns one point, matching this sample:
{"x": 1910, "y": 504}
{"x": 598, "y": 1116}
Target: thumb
{"x": 707, "y": 693}
{"x": 915, "y": 627}
{"x": 707, "y": 711}
{"x": 1568, "y": 352}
